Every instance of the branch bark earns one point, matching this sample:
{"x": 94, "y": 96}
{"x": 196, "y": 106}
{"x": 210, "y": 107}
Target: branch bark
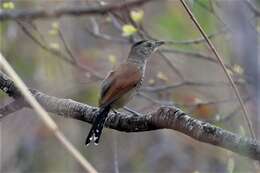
{"x": 164, "y": 118}
{"x": 72, "y": 11}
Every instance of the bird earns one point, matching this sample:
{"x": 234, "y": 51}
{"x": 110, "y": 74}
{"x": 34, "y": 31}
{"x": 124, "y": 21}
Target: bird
{"x": 121, "y": 84}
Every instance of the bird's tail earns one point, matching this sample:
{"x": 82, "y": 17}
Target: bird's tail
{"x": 97, "y": 127}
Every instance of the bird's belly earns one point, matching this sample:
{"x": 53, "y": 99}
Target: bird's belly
{"x": 119, "y": 103}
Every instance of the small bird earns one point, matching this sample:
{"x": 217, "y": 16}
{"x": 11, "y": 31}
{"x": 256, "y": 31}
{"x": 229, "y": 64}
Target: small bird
{"x": 122, "y": 84}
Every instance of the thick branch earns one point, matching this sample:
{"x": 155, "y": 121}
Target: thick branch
{"x": 73, "y": 11}
{"x": 164, "y": 118}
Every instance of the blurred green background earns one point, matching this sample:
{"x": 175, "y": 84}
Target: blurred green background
{"x": 27, "y": 146}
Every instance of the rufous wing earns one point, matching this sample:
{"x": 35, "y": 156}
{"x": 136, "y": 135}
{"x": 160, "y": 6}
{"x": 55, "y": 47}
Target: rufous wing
{"x": 119, "y": 82}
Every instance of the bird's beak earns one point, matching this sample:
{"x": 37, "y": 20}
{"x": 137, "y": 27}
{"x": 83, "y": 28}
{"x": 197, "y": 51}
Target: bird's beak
{"x": 159, "y": 43}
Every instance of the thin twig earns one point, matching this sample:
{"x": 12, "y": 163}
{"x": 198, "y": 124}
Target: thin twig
{"x": 163, "y": 118}
{"x": 196, "y": 41}
{"x": 95, "y": 32}
{"x": 46, "y": 13}
{"x": 59, "y": 54}
{"x": 171, "y": 65}
{"x": 66, "y": 46}
{"x": 186, "y": 83}
{"x": 245, "y": 112}
{"x": 155, "y": 101}
{"x": 48, "y": 121}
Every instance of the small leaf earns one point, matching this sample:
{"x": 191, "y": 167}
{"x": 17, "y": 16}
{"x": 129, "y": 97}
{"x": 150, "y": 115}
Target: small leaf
{"x": 112, "y": 59}
{"x": 5, "y": 5}
{"x": 55, "y": 46}
{"x": 128, "y": 30}
{"x": 11, "y": 5}
{"x": 197, "y": 100}
{"x": 55, "y": 25}
{"x": 137, "y": 15}
{"x": 151, "y": 82}
{"x": 162, "y": 76}
{"x": 8, "y": 5}
{"x": 258, "y": 28}
{"x": 217, "y": 117}
{"x": 53, "y": 32}
{"x": 103, "y": 3}
{"x": 108, "y": 19}
{"x": 238, "y": 69}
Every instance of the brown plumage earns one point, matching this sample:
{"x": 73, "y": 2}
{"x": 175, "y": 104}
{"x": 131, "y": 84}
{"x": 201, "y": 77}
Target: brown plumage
{"x": 121, "y": 84}
{"x": 123, "y": 79}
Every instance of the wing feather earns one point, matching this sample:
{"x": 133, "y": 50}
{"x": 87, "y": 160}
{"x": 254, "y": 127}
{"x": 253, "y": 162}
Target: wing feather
{"x": 119, "y": 82}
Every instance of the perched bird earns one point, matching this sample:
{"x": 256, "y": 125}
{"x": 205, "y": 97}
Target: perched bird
{"x": 121, "y": 84}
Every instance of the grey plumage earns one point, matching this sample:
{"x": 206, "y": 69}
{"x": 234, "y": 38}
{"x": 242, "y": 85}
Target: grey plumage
{"x": 122, "y": 84}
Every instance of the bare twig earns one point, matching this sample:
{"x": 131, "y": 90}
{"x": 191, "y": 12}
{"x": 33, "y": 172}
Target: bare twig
{"x": 52, "y": 126}
{"x": 155, "y": 101}
{"x": 197, "y": 55}
{"x": 47, "y": 13}
{"x": 171, "y": 65}
{"x": 210, "y": 10}
{"x": 196, "y": 41}
{"x": 164, "y": 118}
{"x": 66, "y": 46}
{"x": 59, "y": 54}
{"x": 186, "y": 83}
{"x": 245, "y": 112}
{"x": 97, "y": 34}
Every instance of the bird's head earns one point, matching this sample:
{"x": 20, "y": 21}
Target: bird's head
{"x": 143, "y": 49}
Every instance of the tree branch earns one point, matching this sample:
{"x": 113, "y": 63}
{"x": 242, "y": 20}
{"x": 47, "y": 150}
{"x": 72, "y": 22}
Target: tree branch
{"x": 221, "y": 62}
{"x": 164, "y": 118}
{"x": 73, "y": 11}
{"x": 44, "y": 116}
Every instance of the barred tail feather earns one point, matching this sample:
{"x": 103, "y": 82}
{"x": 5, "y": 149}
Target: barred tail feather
{"x": 97, "y": 127}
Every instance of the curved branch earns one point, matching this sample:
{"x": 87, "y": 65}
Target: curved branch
{"x": 73, "y": 11}
{"x": 164, "y": 118}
